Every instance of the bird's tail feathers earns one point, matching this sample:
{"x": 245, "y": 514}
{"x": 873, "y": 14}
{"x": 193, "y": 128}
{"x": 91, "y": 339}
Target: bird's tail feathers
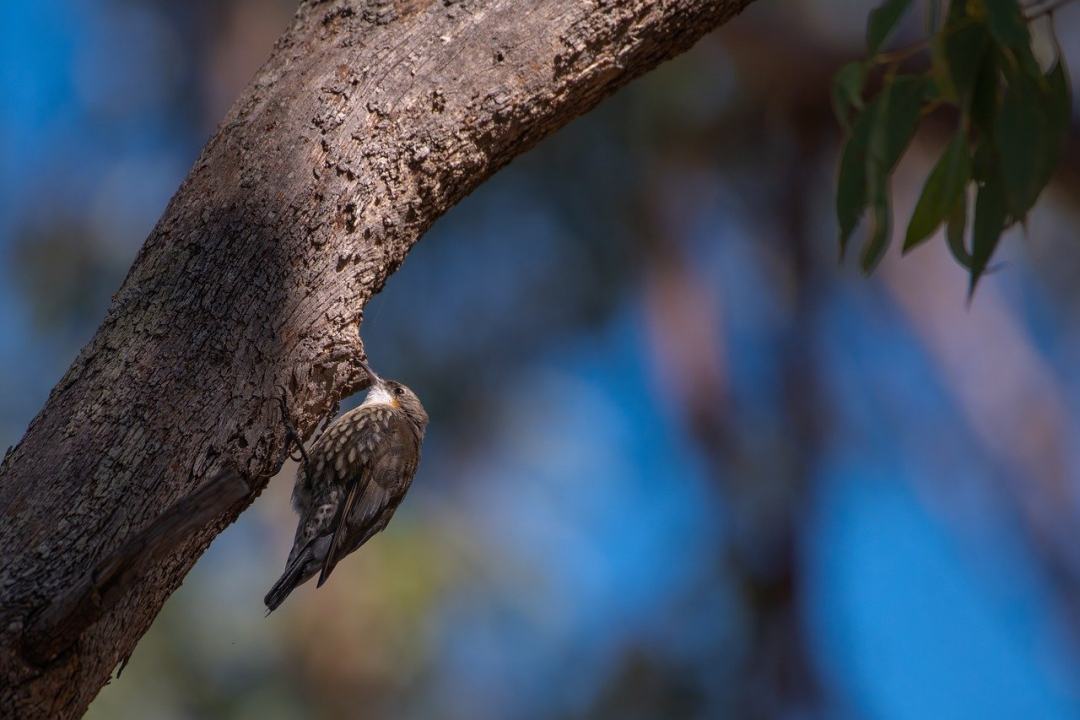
{"x": 293, "y": 576}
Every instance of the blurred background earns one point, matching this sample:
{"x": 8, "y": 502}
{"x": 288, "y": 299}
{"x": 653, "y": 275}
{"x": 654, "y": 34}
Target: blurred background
{"x": 682, "y": 463}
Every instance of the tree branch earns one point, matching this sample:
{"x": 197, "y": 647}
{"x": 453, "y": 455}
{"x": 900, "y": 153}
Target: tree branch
{"x": 60, "y": 624}
{"x": 370, "y": 120}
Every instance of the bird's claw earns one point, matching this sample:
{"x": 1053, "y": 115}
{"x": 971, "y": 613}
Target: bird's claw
{"x": 291, "y": 434}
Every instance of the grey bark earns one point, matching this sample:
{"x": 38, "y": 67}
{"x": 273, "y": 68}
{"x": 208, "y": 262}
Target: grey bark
{"x": 370, "y": 119}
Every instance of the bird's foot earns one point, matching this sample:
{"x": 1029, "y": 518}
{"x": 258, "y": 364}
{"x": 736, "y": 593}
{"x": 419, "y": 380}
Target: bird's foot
{"x": 290, "y": 431}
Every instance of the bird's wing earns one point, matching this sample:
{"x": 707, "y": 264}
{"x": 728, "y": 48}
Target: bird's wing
{"x": 333, "y": 552}
{"x": 320, "y": 486}
{"x": 388, "y": 451}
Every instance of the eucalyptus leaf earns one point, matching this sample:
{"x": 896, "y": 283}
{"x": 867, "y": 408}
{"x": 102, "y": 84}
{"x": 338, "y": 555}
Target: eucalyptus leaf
{"x": 984, "y": 162}
{"x": 882, "y": 22}
{"x": 847, "y": 91}
{"x": 1014, "y": 119}
{"x": 990, "y": 214}
{"x": 1057, "y": 106}
{"x": 986, "y": 94}
{"x": 946, "y": 183}
{"x": 958, "y": 10}
{"x": 851, "y": 183}
{"x": 933, "y": 16}
{"x": 892, "y": 118}
{"x": 963, "y": 51}
{"x": 895, "y": 123}
{"x": 880, "y": 229}
{"x": 1020, "y": 134}
{"x": 1007, "y": 23}
{"x": 954, "y": 231}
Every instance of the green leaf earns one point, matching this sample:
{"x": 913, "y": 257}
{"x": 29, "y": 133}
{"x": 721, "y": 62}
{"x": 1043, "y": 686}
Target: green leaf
{"x": 1007, "y": 23}
{"x": 880, "y": 228}
{"x": 989, "y": 223}
{"x": 851, "y": 184}
{"x": 1057, "y": 105}
{"x": 946, "y": 183}
{"x": 883, "y": 20}
{"x": 1058, "y": 97}
{"x": 963, "y": 51}
{"x": 984, "y": 162}
{"x": 1020, "y": 135}
{"x": 933, "y": 16}
{"x": 895, "y": 123}
{"x": 892, "y": 120}
{"x": 932, "y": 89}
{"x": 986, "y": 94}
{"x": 958, "y": 10}
{"x": 1009, "y": 28}
{"x": 847, "y": 91}
{"x": 954, "y": 231}
{"x": 940, "y": 68}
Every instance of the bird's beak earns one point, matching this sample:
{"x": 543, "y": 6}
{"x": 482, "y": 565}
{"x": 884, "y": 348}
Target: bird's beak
{"x": 375, "y": 379}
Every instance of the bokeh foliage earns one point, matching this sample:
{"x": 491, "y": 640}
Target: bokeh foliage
{"x": 1012, "y": 119}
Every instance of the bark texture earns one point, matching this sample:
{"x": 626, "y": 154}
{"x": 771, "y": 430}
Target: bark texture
{"x": 370, "y": 120}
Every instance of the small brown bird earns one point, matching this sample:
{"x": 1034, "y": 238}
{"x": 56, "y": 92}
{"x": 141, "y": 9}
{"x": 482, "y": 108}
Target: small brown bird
{"x": 349, "y": 485}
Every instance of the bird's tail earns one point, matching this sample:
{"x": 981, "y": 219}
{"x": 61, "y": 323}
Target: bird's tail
{"x": 293, "y": 576}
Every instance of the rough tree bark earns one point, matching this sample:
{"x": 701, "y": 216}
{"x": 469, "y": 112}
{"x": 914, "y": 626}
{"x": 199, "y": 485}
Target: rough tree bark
{"x": 370, "y": 119}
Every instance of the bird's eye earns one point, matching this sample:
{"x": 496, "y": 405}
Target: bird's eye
{"x": 399, "y": 391}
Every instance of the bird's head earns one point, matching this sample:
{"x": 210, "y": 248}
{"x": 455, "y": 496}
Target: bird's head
{"x": 402, "y": 398}
{"x": 396, "y": 395}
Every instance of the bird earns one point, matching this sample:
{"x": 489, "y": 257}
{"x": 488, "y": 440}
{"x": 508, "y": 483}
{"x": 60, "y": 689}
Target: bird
{"x": 351, "y": 481}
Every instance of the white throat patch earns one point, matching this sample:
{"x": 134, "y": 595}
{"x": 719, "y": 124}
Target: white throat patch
{"x": 377, "y": 395}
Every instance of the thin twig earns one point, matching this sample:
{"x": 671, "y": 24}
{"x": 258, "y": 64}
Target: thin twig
{"x": 895, "y": 56}
{"x": 1038, "y": 8}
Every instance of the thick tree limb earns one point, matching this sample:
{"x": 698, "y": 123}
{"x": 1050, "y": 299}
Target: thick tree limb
{"x": 57, "y": 627}
{"x": 368, "y": 122}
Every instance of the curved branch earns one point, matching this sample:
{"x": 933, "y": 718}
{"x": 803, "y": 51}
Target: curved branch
{"x": 57, "y": 627}
{"x": 371, "y": 118}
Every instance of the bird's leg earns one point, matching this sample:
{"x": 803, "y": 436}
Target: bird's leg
{"x": 291, "y": 434}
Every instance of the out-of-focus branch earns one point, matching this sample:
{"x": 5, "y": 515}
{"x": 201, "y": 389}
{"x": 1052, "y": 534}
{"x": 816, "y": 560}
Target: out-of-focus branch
{"x": 775, "y": 675}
